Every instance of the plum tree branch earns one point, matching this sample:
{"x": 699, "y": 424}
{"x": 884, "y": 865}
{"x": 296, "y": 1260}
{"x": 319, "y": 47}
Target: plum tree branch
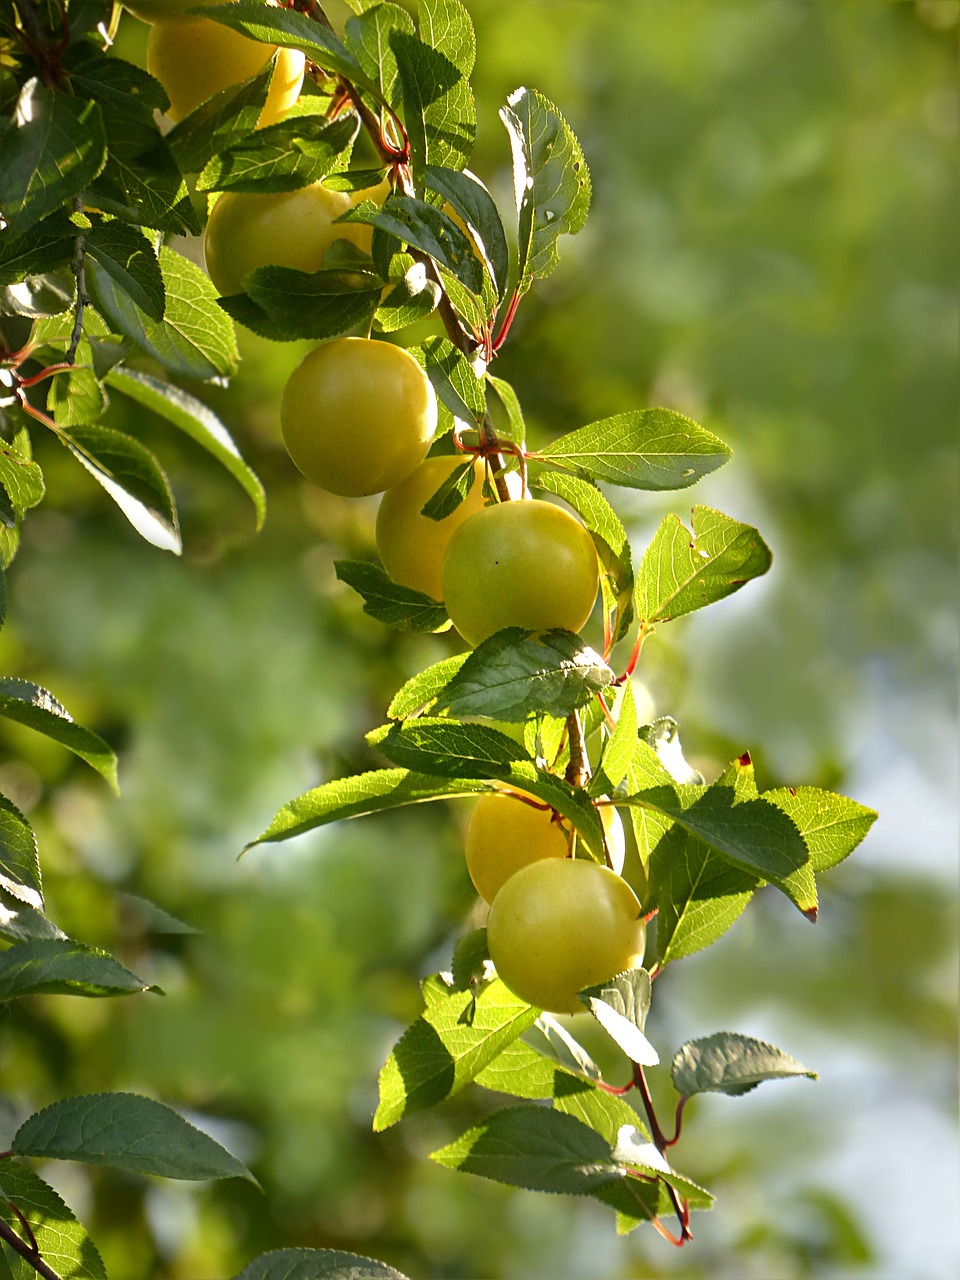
{"x": 30, "y": 1255}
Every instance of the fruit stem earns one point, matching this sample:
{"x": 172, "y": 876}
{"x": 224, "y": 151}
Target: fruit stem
{"x": 681, "y": 1207}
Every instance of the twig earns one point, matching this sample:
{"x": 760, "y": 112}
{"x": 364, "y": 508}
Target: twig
{"x": 681, "y": 1208}
{"x": 10, "y": 1237}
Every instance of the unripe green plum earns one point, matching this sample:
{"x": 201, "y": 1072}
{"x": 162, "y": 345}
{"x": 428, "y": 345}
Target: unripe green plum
{"x": 197, "y": 57}
{"x": 357, "y": 416}
{"x": 562, "y": 924}
{"x": 282, "y": 229}
{"x": 519, "y": 564}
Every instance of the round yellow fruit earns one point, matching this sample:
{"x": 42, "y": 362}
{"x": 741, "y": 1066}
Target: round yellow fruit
{"x": 357, "y": 416}
{"x": 198, "y": 57}
{"x": 520, "y": 564}
{"x": 506, "y": 833}
{"x": 411, "y": 545}
{"x": 562, "y": 924}
{"x": 288, "y": 229}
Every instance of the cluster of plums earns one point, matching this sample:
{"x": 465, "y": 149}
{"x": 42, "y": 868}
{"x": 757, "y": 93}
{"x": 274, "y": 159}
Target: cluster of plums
{"x": 358, "y": 417}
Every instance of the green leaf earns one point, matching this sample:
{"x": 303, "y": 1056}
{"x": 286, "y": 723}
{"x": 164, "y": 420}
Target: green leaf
{"x": 620, "y": 748}
{"x": 66, "y": 968}
{"x": 53, "y": 146}
{"x": 21, "y": 478}
{"x": 681, "y": 572}
{"x": 422, "y": 689}
{"x": 316, "y": 1264}
{"x": 699, "y": 895}
{"x": 225, "y": 118}
{"x": 609, "y": 537}
{"x": 128, "y": 257}
{"x": 515, "y": 427}
{"x": 535, "y": 1148}
{"x": 445, "y": 748}
{"x": 361, "y": 794}
{"x": 197, "y": 421}
{"x": 41, "y": 296}
{"x": 731, "y": 1063}
{"x": 411, "y": 299}
{"x": 38, "y": 709}
{"x": 469, "y": 964}
{"x": 475, "y": 205}
{"x": 663, "y": 735}
{"x": 453, "y": 378}
{"x": 438, "y": 105}
{"x": 645, "y": 449}
{"x": 451, "y": 493}
{"x": 367, "y": 36}
{"x": 285, "y": 304}
{"x": 19, "y": 863}
{"x": 76, "y": 398}
{"x": 573, "y": 802}
{"x": 120, "y": 86}
{"x": 40, "y": 248}
{"x": 294, "y": 31}
{"x": 133, "y": 478}
{"x": 446, "y": 25}
{"x": 515, "y": 674}
{"x": 831, "y": 825}
{"x": 550, "y": 178}
{"x": 194, "y": 339}
{"x": 445, "y": 1048}
{"x": 282, "y": 157}
{"x": 621, "y": 1006}
{"x": 142, "y": 185}
{"x": 126, "y": 1131}
{"x": 425, "y": 227}
{"x": 63, "y": 1243}
{"x": 398, "y": 607}
{"x": 22, "y": 923}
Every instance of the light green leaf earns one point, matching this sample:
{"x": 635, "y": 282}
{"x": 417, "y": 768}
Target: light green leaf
{"x": 515, "y": 674}
{"x": 75, "y": 398}
{"x": 663, "y": 735}
{"x": 620, "y": 748}
{"x": 515, "y": 428}
{"x": 387, "y": 601}
{"x": 316, "y": 1264}
{"x": 728, "y": 1062}
{"x": 197, "y": 421}
{"x": 21, "y": 477}
{"x": 35, "y": 707}
{"x": 698, "y": 893}
{"x": 63, "y": 1243}
{"x": 133, "y": 478}
{"x": 681, "y": 572}
{"x": 66, "y": 968}
{"x": 446, "y": 25}
{"x": 53, "y": 146}
{"x": 535, "y": 1148}
{"x": 831, "y": 825}
{"x": 447, "y": 1046}
{"x": 453, "y": 377}
{"x": 647, "y": 449}
{"x": 19, "y": 863}
{"x": 129, "y": 1132}
{"x": 367, "y": 37}
{"x": 438, "y": 105}
{"x": 423, "y": 688}
{"x": 194, "y": 340}
{"x": 550, "y": 178}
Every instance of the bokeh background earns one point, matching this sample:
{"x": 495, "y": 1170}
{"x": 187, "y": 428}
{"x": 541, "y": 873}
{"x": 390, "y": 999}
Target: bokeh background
{"x": 772, "y": 250}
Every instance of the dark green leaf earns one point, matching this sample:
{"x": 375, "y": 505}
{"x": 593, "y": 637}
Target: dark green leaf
{"x": 53, "y": 147}
{"x": 197, "y": 421}
{"x": 30, "y": 705}
{"x": 195, "y": 339}
{"x": 681, "y": 572}
{"x": 399, "y": 607}
{"x": 359, "y": 795}
{"x": 133, "y": 478}
{"x": 316, "y": 1264}
{"x": 550, "y": 178}
{"x": 128, "y": 257}
{"x": 438, "y": 106}
{"x": 367, "y": 37}
{"x": 112, "y": 82}
{"x": 536, "y": 1148}
{"x": 425, "y": 227}
{"x": 40, "y": 248}
{"x": 19, "y": 864}
{"x": 473, "y": 202}
{"x": 645, "y": 449}
{"x": 445, "y": 1048}
{"x": 63, "y": 1243}
{"x": 42, "y": 296}
{"x": 447, "y": 749}
{"x": 294, "y": 31}
{"x": 298, "y": 304}
{"x": 454, "y": 380}
{"x": 728, "y": 1062}
{"x": 470, "y": 956}
{"x": 128, "y": 1132}
{"x": 515, "y": 674}
{"x": 22, "y": 923}
{"x": 141, "y": 184}
{"x": 222, "y": 120}
{"x": 63, "y": 968}
{"x": 451, "y": 493}
{"x": 282, "y": 157}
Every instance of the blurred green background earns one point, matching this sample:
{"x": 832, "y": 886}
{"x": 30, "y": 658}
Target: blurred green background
{"x": 770, "y": 251}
